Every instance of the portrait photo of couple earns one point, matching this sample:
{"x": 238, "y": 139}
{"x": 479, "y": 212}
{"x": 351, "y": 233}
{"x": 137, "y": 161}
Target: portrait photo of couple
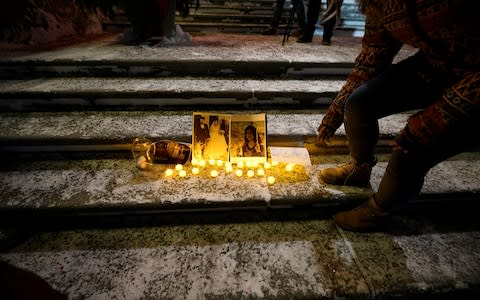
{"x": 229, "y": 137}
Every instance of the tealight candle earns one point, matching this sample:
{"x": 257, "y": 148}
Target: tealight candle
{"x": 194, "y": 161}
{"x": 214, "y": 173}
{"x": 238, "y": 173}
{"x": 202, "y": 163}
{"x": 142, "y": 162}
{"x": 255, "y": 164}
{"x": 178, "y": 167}
{"x": 182, "y": 173}
{"x": 289, "y": 167}
{"x": 168, "y": 172}
{"x": 267, "y": 165}
{"x": 228, "y": 169}
{"x": 219, "y": 163}
{"x": 271, "y": 180}
{"x": 195, "y": 171}
{"x": 249, "y": 164}
{"x": 260, "y": 172}
{"x": 250, "y": 173}
{"x": 240, "y": 164}
{"x": 274, "y": 163}
{"x": 211, "y": 162}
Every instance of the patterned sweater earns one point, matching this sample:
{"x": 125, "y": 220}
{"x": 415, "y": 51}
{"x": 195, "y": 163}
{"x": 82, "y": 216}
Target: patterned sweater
{"x": 446, "y": 32}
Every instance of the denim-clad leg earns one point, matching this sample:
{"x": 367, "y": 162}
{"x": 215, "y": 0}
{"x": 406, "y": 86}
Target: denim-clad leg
{"x": 396, "y": 90}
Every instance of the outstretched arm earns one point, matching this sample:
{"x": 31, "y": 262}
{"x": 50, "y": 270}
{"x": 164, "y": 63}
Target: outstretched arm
{"x": 377, "y": 53}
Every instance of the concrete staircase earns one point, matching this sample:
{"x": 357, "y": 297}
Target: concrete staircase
{"x": 77, "y": 212}
{"x": 245, "y": 16}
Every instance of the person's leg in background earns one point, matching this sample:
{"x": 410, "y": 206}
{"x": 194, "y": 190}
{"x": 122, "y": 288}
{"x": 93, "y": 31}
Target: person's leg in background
{"x": 277, "y": 15}
{"x": 313, "y": 12}
{"x": 300, "y": 12}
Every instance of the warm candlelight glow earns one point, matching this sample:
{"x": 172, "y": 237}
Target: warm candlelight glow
{"x": 182, "y": 173}
{"x": 178, "y": 167}
{"x": 250, "y": 173}
{"x": 240, "y": 164}
{"x": 202, "y": 163}
{"x": 260, "y": 172}
{"x": 194, "y": 161}
{"x": 228, "y": 169}
{"x": 271, "y": 180}
{"x": 168, "y": 172}
{"x": 289, "y": 167}
{"x": 219, "y": 163}
{"x": 249, "y": 164}
{"x": 214, "y": 173}
{"x": 274, "y": 163}
{"x": 255, "y": 164}
{"x": 211, "y": 162}
{"x": 195, "y": 171}
{"x": 267, "y": 165}
{"x": 238, "y": 173}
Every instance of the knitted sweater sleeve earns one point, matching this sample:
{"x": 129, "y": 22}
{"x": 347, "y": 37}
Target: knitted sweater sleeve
{"x": 377, "y": 52}
{"x": 457, "y": 110}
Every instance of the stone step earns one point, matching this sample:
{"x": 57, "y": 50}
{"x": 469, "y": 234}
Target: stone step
{"x": 212, "y": 55}
{"x": 59, "y": 188}
{"x": 93, "y": 93}
{"x": 224, "y": 55}
{"x": 276, "y": 258}
{"x": 297, "y": 127}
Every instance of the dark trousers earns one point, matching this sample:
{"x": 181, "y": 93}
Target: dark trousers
{"x": 403, "y": 87}
{"x": 300, "y": 12}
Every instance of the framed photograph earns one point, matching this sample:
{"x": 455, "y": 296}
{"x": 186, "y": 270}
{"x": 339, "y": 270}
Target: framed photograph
{"x": 211, "y": 136}
{"x": 248, "y": 138}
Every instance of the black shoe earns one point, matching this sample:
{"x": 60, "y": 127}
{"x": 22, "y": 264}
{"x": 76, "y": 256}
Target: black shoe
{"x": 326, "y": 42}
{"x": 297, "y": 33}
{"x": 269, "y": 31}
{"x": 305, "y": 38}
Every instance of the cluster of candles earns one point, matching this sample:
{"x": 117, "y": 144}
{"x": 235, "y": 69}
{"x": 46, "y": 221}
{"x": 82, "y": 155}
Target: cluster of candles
{"x": 213, "y": 168}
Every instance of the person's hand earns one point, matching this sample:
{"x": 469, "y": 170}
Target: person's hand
{"x": 330, "y": 123}
{"x": 324, "y": 134}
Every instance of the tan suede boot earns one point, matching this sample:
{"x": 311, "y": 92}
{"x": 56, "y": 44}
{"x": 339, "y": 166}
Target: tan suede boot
{"x": 368, "y": 216}
{"x": 350, "y": 173}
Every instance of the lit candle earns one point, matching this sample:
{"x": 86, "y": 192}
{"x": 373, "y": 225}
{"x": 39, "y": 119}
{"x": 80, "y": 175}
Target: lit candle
{"x": 202, "y": 163}
{"x": 240, "y": 164}
{"x": 249, "y": 164}
{"x": 182, "y": 173}
{"x": 168, "y": 172}
{"x": 238, "y": 173}
{"x": 267, "y": 165}
{"x": 271, "y": 180}
{"x": 289, "y": 167}
{"x": 195, "y": 171}
{"x": 142, "y": 162}
{"x": 260, "y": 172}
{"x": 194, "y": 161}
{"x": 219, "y": 163}
{"x": 255, "y": 164}
{"x": 214, "y": 173}
{"x": 211, "y": 162}
{"x": 250, "y": 173}
{"x": 228, "y": 169}
{"x": 178, "y": 167}
{"x": 274, "y": 163}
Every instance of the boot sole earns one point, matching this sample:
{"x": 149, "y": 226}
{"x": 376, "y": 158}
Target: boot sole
{"x": 349, "y": 183}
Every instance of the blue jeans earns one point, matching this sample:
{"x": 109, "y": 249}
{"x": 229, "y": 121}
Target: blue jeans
{"x": 409, "y": 85}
